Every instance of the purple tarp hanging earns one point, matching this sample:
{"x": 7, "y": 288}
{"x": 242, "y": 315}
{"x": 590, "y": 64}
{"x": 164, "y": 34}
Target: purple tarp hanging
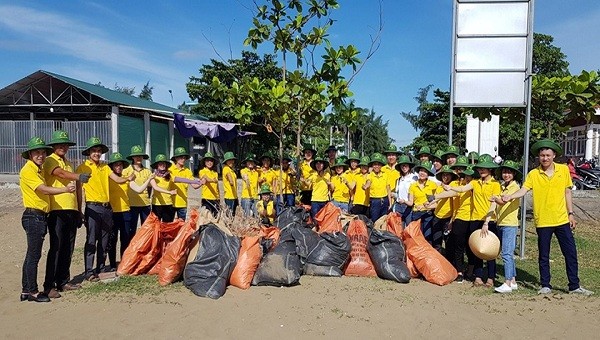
{"x": 216, "y": 132}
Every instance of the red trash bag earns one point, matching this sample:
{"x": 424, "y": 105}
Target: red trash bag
{"x": 168, "y": 232}
{"x": 247, "y": 262}
{"x": 428, "y": 261}
{"x": 328, "y": 219}
{"x": 394, "y": 224}
{"x": 144, "y": 240}
{"x": 270, "y": 233}
{"x": 176, "y": 253}
{"x": 360, "y": 263}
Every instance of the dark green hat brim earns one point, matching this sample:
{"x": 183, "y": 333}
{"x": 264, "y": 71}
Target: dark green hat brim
{"x": 458, "y": 165}
{"x": 125, "y": 162}
{"x": 313, "y": 164}
{"x": 438, "y": 176}
{"x": 155, "y": 164}
{"x": 86, "y": 152}
{"x": 61, "y": 141}
{"x": 228, "y": 159}
{"x": 344, "y": 165}
{"x": 268, "y": 192}
{"x": 143, "y": 155}
{"x": 187, "y": 156}
{"x": 419, "y": 167}
{"x": 410, "y": 164}
{"x": 546, "y": 144}
{"x": 25, "y": 154}
{"x": 487, "y": 165}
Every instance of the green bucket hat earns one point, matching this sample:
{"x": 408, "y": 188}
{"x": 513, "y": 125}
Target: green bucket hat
{"x": 207, "y": 155}
{"x": 93, "y": 142}
{"x": 426, "y": 165}
{"x": 264, "y": 189}
{"x": 250, "y": 158}
{"x": 160, "y": 158}
{"x": 452, "y": 150}
{"x": 364, "y": 161}
{"x": 287, "y": 157}
{"x": 35, "y": 143}
{"x": 354, "y": 156}
{"x": 545, "y": 144}
{"x": 446, "y": 170}
{"x": 307, "y": 146}
{"x": 438, "y": 155}
{"x": 228, "y": 156}
{"x": 392, "y": 148}
{"x": 137, "y": 150}
{"x": 404, "y": 159}
{"x": 468, "y": 172}
{"x": 461, "y": 161}
{"x": 473, "y": 157}
{"x": 266, "y": 155}
{"x": 425, "y": 150}
{"x": 512, "y": 165}
{"x": 117, "y": 157}
{"x": 60, "y": 137}
{"x": 378, "y": 158}
{"x": 340, "y": 162}
{"x": 486, "y": 162}
{"x": 180, "y": 151}
{"x": 319, "y": 159}
{"x": 330, "y": 148}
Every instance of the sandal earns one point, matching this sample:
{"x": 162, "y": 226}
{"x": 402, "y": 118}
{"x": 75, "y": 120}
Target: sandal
{"x": 478, "y": 283}
{"x": 489, "y": 283}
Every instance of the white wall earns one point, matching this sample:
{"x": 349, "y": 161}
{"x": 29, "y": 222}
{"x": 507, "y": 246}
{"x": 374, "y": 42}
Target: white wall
{"x": 483, "y": 136}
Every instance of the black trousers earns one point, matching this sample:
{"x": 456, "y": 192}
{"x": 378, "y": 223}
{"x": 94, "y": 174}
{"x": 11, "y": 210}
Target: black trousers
{"x": 359, "y": 209}
{"x": 62, "y": 230}
{"x": 98, "y": 228}
{"x": 306, "y": 197}
{"x": 35, "y": 226}
{"x": 437, "y": 232}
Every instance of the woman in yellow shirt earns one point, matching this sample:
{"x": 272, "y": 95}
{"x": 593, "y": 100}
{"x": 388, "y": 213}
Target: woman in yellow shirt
{"x": 179, "y": 170}
{"x": 230, "y": 181}
{"x": 360, "y": 202}
{"x": 265, "y": 206}
{"x": 319, "y": 181}
{"x": 211, "y": 197}
{"x": 444, "y": 208}
{"x": 119, "y": 201}
{"x": 266, "y": 174}
{"x": 418, "y": 198}
{"x": 284, "y": 185}
{"x": 249, "y": 186}
{"x": 164, "y": 189}
{"x": 138, "y": 193}
{"x": 305, "y": 171}
{"x": 342, "y": 185}
{"x": 379, "y": 188}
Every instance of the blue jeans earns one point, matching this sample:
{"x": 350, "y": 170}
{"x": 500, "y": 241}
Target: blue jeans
{"x": 379, "y": 207}
{"x": 121, "y": 225}
{"x": 405, "y": 212}
{"x": 315, "y": 207}
{"x": 566, "y": 241}
{"x": 138, "y": 214}
{"x": 426, "y": 218}
{"x": 35, "y": 226}
{"x": 289, "y": 200}
{"x": 181, "y": 213}
{"x": 508, "y": 240}
{"x": 341, "y": 205}
{"x": 249, "y": 206}
{"x": 231, "y": 204}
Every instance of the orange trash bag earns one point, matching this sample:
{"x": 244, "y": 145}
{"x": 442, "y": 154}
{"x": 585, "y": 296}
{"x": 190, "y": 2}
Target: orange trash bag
{"x": 428, "y": 261}
{"x": 247, "y": 262}
{"x": 394, "y": 224}
{"x": 144, "y": 240}
{"x": 168, "y": 232}
{"x": 360, "y": 263}
{"x": 270, "y": 233}
{"x": 328, "y": 219}
{"x": 411, "y": 268}
{"x": 176, "y": 253}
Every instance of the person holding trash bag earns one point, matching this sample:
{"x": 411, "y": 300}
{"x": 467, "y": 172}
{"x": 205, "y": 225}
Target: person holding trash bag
{"x": 164, "y": 189}
{"x": 553, "y": 214}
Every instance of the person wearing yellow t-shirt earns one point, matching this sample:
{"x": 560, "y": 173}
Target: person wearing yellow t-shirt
{"x": 230, "y": 182}
{"x": 331, "y": 157}
{"x": 138, "y": 191}
{"x": 320, "y": 182}
{"x": 163, "y": 189}
{"x": 418, "y": 198}
{"x": 342, "y": 185}
{"x": 443, "y": 208}
{"x": 266, "y": 174}
{"x": 379, "y": 188}
{"x": 98, "y": 212}
{"x": 361, "y": 198}
{"x": 36, "y": 201}
{"x": 119, "y": 201}
{"x": 179, "y": 170}
{"x": 265, "y": 207}
{"x": 551, "y": 185}
{"x": 391, "y": 155}
{"x": 284, "y": 185}
{"x": 305, "y": 171}
{"x": 211, "y": 197}
{"x": 64, "y": 218}
{"x": 249, "y": 176}
{"x": 508, "y": 223}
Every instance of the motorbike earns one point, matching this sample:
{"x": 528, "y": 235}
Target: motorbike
{"x": 585, "y": 179}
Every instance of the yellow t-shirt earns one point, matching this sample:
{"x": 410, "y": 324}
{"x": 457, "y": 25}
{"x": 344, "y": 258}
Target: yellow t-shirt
{"x": 341, "y": 192}
{"x": 320, "y": 188}
{"x": 444, "y": 208}
{"x": 210, "y": 191}
{"x": 267, "y": 177}
{"x": 119, "y": 201}
{"x": 270, "y": 209}
{"x": 159, "y": 198}
{"x": 392, "y": 174}
{"x": 229, "y": 191}
{"x": 96, "y": 190}
{"x": 419, "y": 193}
{"x": 463, "y": 203}
{"x": 361, "y": 196}
{"x": 65, "y": 201}
{"x": 482, "y": 192}
{"x": 379, "y": 184}
{"x": 508, "y": 214}
{"x": 30, "y": 178}
{"x": 306, "y": 171}
{"x": 180, "y": 199}
{"x": 287, "y": 181}
{"x": 142, "y": 199}
{"x": 249, "y": 191}
{"x": 549, "y": 201}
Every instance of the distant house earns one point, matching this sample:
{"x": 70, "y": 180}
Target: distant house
{"x": 583, "y": 141}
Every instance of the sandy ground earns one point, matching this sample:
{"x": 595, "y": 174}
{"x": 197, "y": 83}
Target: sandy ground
{"x": 347, "y": 307}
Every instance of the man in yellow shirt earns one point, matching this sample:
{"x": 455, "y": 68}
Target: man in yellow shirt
{"x": 305, "y": 171}
{"x": 284, "y": 185}
{"x": 320, "y": 182}
{"x": 35, "y": 194}
{"x": 230, "y": 181}
{"x": 265, "y": 207}
{"x": 119, "y": 202}
{"x": 391, "y": 154}
{"x": 179, "y": 170}
{"x": 98, "y": 212}
{"x": 379, "y": 188}
{"x": 551, "y": 186}
{"x": 249, "y": 186}
{"x": 331, "y": 156}
{"x": 64, "y": 217}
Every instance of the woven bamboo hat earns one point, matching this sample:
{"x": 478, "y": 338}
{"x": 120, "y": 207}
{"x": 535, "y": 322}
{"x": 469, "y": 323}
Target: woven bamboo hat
{"x": 486, "y": 248}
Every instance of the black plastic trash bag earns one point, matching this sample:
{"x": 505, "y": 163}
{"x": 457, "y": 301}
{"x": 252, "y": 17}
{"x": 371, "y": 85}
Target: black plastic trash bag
{"x": 207, "y": 275}
{"x": 387, "y": 253}
{"x": 292, "y": 217}
{"x": 281, "y": 267}
{"x": 314, "y": 270}
{"x": 323, "y": 254}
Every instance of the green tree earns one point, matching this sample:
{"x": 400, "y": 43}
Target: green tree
{"x": 124, "y": 89}
{"x": 146, "y": 92}
{"x": 548, "y": 60}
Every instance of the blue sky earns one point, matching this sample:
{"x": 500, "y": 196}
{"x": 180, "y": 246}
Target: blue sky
{"x": 166, "y": 42}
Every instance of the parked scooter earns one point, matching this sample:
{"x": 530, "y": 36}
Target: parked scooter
{"x": 583, "y": 179}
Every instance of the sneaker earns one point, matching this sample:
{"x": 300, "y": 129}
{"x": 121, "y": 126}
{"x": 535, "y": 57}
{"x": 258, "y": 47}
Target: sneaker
{"x": 514, "y": 286}
{"x": 581, "y": 291}
{"x": 545, "y": 290}
{"x": 503, "y": 289}
{"x": 460, "y": 278}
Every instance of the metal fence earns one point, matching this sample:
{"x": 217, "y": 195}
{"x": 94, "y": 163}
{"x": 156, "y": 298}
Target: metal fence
{"x": 14, "y": 136}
